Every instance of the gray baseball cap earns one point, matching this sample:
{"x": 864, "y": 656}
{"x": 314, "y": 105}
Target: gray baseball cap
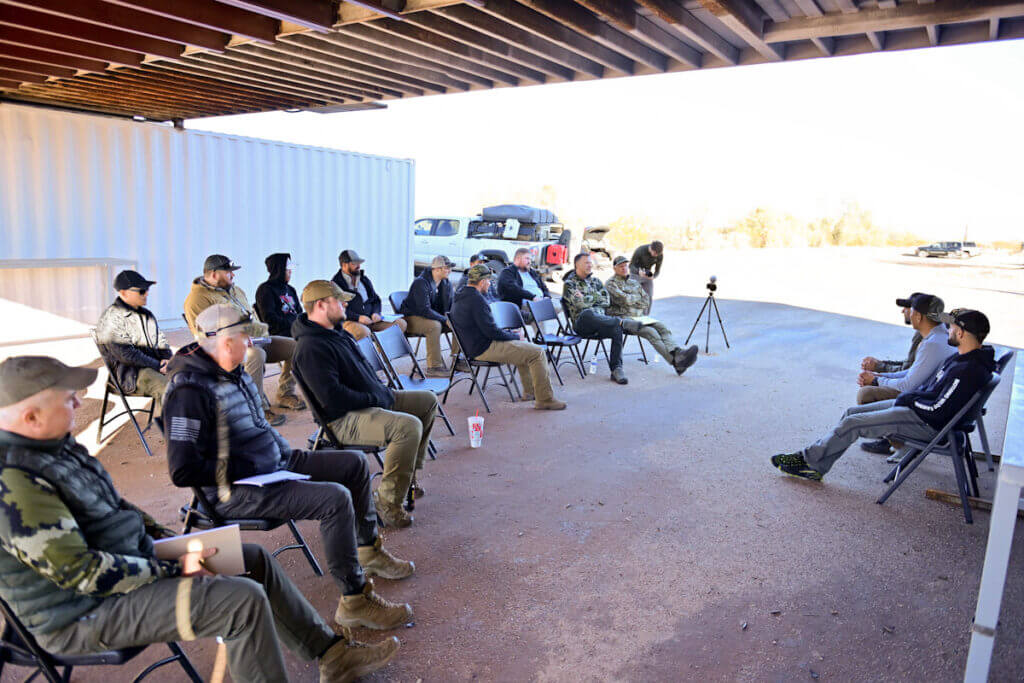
{"x": 441, "y": 262}
{"x": 225, "y": 319}
{"x": 25, "y": 376}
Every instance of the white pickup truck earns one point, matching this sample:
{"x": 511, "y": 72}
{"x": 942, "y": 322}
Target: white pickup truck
{"x": 498, "y": 231}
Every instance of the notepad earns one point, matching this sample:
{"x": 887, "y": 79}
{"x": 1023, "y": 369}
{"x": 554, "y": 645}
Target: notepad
{"x": 226, "y": 539}
{"x": 646, "y": 320}
{"x": 390, "y": 318}
{"x": 271, "y": 478}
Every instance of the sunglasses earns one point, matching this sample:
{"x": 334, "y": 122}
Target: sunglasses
{"x": 244, "y": 321}
{"x": 141, "y": 290}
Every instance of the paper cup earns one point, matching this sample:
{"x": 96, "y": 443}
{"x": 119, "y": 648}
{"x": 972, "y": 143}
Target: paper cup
{"x": 476, "y": 431}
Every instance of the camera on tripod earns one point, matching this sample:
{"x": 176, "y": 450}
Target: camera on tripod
{"x": 711, "y": 283}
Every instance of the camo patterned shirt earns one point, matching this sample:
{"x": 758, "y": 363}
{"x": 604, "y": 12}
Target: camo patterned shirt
{"x": 579, "y": 295}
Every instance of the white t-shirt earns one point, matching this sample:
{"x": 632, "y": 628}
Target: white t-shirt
{"x": 529, "y": 284}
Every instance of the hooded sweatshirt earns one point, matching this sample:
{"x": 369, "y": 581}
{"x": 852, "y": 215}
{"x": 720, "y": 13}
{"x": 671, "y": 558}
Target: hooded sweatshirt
{"x": 428, "y": 299}
{"x": 957, "y": 380}
{"x": 276, "y": 301}
{"x": 334, "y": 370}
{"x": 358, "y": 306}
{"x": 471, "y": 314}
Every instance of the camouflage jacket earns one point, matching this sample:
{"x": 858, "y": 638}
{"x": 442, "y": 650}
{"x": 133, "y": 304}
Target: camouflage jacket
{"x": 67, "y": 537}
{"x": 628, "y": 298}
{"x": 898, "y": 365}
{"x": 579, "y": 295}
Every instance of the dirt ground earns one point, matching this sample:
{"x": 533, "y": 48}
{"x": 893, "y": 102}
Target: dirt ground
{"x": 641, "y": 535}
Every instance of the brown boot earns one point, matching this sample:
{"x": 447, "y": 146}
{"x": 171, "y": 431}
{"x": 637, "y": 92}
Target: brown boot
{"x": 550, "y": 404}
{"x": 275, "y": 419}
{"x": 369, "y": 610}
{"x": 376, "y": 561}
{"x": 391, "y": 515}
{"x": 347, "y": 660}
{"x": 291, "y": 401}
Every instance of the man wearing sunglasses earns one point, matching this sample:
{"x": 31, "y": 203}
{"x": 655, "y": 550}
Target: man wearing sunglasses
{"x": 130, "y": 341}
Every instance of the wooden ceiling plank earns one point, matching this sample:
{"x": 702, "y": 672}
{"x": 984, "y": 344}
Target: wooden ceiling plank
{"x": 315, "y": 66}
{"x": 284, "y": 67}
{"x": 10, "y": 85}
{"x": 142, "y": 88}
{"x": 68, "y": 46}
{"x": 692, "y": 28}
{"x": 82, "y": 30}
{"x": 285, "y": 100}
{"x": 528, "y": 19}
{"x": 57, "y": 59}
{"x": 644, "y": 30}
{"x": 138, "y": 103}
{"x": 745, "y": 21}
{"x": 36, "y": 67}
{"x": 773, "y": 9}
{"x": 130, "y": 20}
{"x": 248, "y": 76}
{"x": 316, "y": 15}
{"x": 211, "y": 14}
{"x": 933, "y": 32}
{"x": 109, "y": 110}
{"x": 877, "y": 39}
{"x": 494, "y": 27}
{"x": 369, "y": 74}
{"x": 377, "y": 8}
{"x": 993, "y": 29}
{"x": 848, "y": 6}
{"x": 204, "y": 91}
{"x": 354, "y": 14}
{"x": 421, "y": 77}
{"x": 825, "y": 45}
{"x": 809, "y": 8}
{"x": 21, "y": 76}
{"x": 241, "y": 81}
{"x": 321, "y": 85}
{"x": 472, "y": 37}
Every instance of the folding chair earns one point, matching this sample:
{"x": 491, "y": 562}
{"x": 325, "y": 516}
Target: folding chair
{"x": 1001, "y": 366}
{"x": 393, "y": 347}
{"x": 951, "y": 440}
{"x": 474, "y": 371}
{"x": 397, "y": 299}
{"x": 113, "y": 386}
{"x": 543, "y": 311}
{"x": 19, "y": 648}
{"x": 570, "y": 329}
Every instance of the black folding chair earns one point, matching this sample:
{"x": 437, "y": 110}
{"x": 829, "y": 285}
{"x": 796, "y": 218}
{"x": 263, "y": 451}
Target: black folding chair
{"x": 1001, "y": 365}
{"x": 393, "y": 347}
{"x": 600, "y": 346}
{"x": 951, "y": 440}
{"x": 397, "y": 299}
{"x": 19, "y": 648}
{"x": 543, "y": 311}
{"x": 474, "y": 370}
{"x": 114, "y": 387}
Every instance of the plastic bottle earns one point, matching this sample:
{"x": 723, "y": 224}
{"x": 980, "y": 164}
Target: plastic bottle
{"x": 593, "y": 365}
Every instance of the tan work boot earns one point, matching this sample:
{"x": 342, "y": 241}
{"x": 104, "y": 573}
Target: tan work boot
{"x": 390, "y": 514}
{"x": 347, "y": 660}
{"x": 291, "y": 401}
{"x": 369, "y": 610}
{"x": 376, "y": 561}
{"x": 550, "y": 404}
{"x": 436, "y": 371}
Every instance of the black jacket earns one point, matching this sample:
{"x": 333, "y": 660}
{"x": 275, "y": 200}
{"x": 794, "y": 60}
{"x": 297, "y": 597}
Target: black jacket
{"x": 276, "y": 301}
{"x": 335, "y": 371}
{"x": 642, "y": 261}
{"x": 427, "y": 299}
{"x": 954, "y": 384}
{"x": 129, "y": 339}
{"x": 492, "y": 291}
{"x": 200, "y": 395}
{"x": 510, "y": 285}
{"x": 472, "y": 315}
{"x": 357, "y": 307}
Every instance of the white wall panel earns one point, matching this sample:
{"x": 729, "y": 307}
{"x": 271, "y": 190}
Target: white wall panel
{"x": 82, "y": 186}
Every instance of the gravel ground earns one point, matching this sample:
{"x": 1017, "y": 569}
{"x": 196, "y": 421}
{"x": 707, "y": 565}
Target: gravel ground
{"x": 641, "y": 534}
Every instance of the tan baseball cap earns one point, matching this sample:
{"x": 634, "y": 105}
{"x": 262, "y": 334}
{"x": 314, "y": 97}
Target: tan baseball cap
{"x": 478, "y": 273}
{"x": 225, "y": 319}
{"x": 321, "y": 289}
{"x": 25, "y": 376}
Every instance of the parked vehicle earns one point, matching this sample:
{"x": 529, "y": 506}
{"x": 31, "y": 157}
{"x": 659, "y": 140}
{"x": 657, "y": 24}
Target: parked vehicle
{"x": 593, "y": 243}
{"x": 498, "y": 231}
{"x": 958, "y": 249}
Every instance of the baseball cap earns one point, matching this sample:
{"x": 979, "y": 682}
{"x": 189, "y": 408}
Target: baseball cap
{"x": 619, "y": 259}
{"x": 928, "y": 305}
{"x": 441, "y": 262}
{"x": 127, "y": 279}
{"x": 350, "y": 256}
{"x": 226, "y": 319}
{"x": 25, "y": 376}
{"x": 478, "y": 273}
{"x": 968, "y": 320}
{"x": 321, "y": 289}
{"x": 480, "y": 256}
{"x": 908, "y": 302}
{"x": 219, "y": 262}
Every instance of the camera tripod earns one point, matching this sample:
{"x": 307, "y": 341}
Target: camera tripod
{"x": 708, "y": 304}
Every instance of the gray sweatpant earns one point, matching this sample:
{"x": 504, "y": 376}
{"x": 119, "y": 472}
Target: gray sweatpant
{"x": 250, "y": 614}
{"x": 660, "y": 337}
{"x": 873, "y": 420}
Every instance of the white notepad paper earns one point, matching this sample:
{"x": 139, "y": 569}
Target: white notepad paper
{"x": 271, "y": 478}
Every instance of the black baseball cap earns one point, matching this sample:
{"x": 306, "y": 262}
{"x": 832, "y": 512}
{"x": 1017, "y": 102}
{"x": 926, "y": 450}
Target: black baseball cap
{"x": 968, "y": 320}
{"x": 127, "y": 279}
{"x": 219, "y": 262}
{"x": 479, "y": 256}
{"x": 927, "y": 305}
{"x": 908, "y": 302}
{"x": 350, "y": 256}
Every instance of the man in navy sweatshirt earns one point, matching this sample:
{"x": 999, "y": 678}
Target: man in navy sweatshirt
{"x": 919, "y": 413}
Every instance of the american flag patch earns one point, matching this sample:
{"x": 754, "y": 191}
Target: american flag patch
{"x": 184, "y": 429}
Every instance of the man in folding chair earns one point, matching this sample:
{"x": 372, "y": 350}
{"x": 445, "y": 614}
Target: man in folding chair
{"x": 77, "y": 564}
{"x": 359, "y": 408}
{"x": 429, "y": 299}
{"x": 471, "y": 315}
{"x": 519, "y": 283}
{"x": 920, "y": 413}
{"x": 630, "y": 300}
{"x": 363, "y": 313}
{"x": 132, "y": 344}
{"x": 216, "y": 434}
{"x": 585, "y": 299}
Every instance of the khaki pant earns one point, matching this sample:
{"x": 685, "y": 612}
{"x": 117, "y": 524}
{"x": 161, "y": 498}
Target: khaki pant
{"x": 250, "y": 614}
{"x": 432, "y": 330}
{"x": 872, "y": 394}
{"x": 529, "y": 359}
{"x": 403, "y": 431}
{"x": 361, "y": 331}
{"x": 660, "y": 338}
{"x": 279, "y": 350}
{"x": 152, "y": 383}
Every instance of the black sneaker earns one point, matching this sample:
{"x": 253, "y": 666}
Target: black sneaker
{"x": 794, "y": 465}
{"x": 685, "y": 359}
{"x": 879, "y": 446}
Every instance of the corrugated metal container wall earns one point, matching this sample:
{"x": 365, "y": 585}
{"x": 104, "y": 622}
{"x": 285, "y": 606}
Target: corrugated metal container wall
{"x": 82, "y": 186}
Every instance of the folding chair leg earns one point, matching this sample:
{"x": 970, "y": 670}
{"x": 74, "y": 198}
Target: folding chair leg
{"x": 506, "y": 380}
{"x": 301, "y": 544}
{"x": 984, "y": 444}
{"x": 103, "y": 414}
{"x": 185, "y": 662}
{"x": 917, "y": 457}
{"x": 554, "y": 366}
{"x": 444, "y": 416}
{"x": 472, "y": 375}
{"x": 138, "y": 430}
{"x": 961, "y": 481}
{"x": 578, "y": 360}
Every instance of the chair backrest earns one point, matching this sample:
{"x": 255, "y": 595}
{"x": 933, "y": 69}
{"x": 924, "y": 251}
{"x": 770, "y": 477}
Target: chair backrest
{"x": 17, "y": 638}
{"x": 397, "y": 299}
{"x": 369, "y": 352}
{"x": 542, "y": 310}
{"x": 1004, "y": 361}
{"x": 315, "y": 408}
{"x": 507, "y": 316}
{"x": 455, "y": 331}
{"x": 393, "y": 346}
{"x": 974, "y": 410}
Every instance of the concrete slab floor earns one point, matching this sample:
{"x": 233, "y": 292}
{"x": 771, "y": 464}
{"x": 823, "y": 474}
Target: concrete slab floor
{"x": 642, "y": 535}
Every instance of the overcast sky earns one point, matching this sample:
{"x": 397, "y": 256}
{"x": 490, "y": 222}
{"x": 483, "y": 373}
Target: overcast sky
{"x": 928, "y": 140}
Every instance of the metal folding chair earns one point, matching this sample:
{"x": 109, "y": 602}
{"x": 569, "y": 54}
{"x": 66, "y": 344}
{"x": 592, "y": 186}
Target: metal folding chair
{"x": 474, "y": 370}
{"x": 19, "y": 648}
{"x": 543, "y": 311}
{"x": 113, "y": 386}
{"x": 1001, "y": 365}
{"x": 393, "y": 347}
